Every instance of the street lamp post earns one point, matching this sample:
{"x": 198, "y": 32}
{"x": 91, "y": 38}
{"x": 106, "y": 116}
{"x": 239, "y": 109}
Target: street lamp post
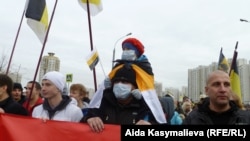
{"x": 115, "y": 46}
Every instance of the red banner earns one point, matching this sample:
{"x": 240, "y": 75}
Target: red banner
{"x": 21, "y": 128}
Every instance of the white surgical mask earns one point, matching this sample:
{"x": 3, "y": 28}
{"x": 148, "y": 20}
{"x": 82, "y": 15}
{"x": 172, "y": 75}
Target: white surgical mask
{"x": 128, "y": 55}
{"x": 121, "y": 90}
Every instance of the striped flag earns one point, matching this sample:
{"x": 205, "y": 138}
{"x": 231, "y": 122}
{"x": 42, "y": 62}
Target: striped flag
{"x": 95, "y": 6}
{"x": 37, "y": 17}
{"x": 234, "y": 75}
{"x": 223, "y": 63}
{"x": 92, "y": 59}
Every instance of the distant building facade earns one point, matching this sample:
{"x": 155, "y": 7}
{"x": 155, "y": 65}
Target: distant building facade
{"x": 197, "y": 79}
{"x": 49, "y": 63}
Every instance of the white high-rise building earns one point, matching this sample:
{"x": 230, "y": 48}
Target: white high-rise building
{"x": 49, "y": 63}
{"x": 197, "y": 79}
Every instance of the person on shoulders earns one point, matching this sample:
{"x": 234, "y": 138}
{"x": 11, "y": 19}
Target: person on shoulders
{"x": 133, "y": 56}
{"x": 133, "y": 52}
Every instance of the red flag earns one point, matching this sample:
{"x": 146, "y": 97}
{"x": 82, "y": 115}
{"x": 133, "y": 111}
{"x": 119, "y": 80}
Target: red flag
{"x": 22, "y": 128}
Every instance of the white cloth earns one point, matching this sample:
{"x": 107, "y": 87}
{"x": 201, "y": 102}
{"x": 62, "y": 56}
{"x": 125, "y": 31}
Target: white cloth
{"x": 97, "y": 97}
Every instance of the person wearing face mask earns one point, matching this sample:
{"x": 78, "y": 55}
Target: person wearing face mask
{"x": 122, "y": 103}
{"x": 133, "y": 56}
{"x": 132, "y": 53}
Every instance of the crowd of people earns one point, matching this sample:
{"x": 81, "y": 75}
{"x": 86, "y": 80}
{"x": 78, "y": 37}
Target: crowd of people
{"x": 128, "y": 97}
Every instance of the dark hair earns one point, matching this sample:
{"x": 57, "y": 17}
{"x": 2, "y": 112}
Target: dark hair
{"x": 6, "y": 80}
{"x": 17, "y": 85}
{"x": 37, "y": 85}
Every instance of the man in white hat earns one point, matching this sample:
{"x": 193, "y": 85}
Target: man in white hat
{"x": 56, "y": 106}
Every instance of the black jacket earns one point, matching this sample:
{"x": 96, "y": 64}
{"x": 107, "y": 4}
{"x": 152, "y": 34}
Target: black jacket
{"x": 111, "y": 112}
{"x": 202, "y": 115}
{"x": 22, "y": 100}
{"x": 12, "y": 107}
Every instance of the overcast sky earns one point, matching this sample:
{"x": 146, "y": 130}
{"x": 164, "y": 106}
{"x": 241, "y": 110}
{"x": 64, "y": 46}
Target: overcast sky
{"x": 177, "y": 34}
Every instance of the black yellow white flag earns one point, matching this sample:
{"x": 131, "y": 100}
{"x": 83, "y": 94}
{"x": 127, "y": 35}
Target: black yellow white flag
{"x": 223, "y": 63}
{"x": 95, "y": 6}
{"x": 37, "y": 17}
{"x": 234, "y": 75}
{"x": 92, "y": 59}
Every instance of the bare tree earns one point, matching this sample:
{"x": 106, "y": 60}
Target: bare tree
{"x": 3, "y": 62}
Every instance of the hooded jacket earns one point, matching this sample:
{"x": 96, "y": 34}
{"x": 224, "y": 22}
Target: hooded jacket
{"x": 172, "y": 116}
{"x": 67, "y": 110}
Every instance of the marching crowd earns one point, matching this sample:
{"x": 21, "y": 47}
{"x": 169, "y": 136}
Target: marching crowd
{"x": 124, "y": 98}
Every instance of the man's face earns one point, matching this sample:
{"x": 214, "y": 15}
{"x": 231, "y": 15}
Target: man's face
{"x": 49, "y": 90}
{"x": 76, "y": 94}
{"x": 3, "y": 90}
{"x": 28, "y": 90}
{"x": 218, "y": 89}
{"x": 16, "y": 94}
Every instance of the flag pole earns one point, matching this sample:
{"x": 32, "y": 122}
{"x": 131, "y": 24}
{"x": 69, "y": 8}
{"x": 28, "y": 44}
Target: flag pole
{"x": 219, "y": 58}
{"x": 14, "y": 46}
{"x": 91, "y": 40}
{"x": 234, "y": 57}
{"x": 41, "y": 54}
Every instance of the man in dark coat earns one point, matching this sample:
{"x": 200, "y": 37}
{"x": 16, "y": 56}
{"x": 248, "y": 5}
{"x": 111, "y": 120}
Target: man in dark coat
{"x": 122, "y": 103}
{"x": 217, "y": 107}
{"x": 7, "y": 104}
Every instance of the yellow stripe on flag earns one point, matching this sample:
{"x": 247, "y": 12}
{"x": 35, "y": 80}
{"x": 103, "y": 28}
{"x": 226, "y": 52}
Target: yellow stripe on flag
{"x": 95, "y": 6}
{"x": 145, "y": 83}
{"x": 235, "y": 84}
{"x": 234, "y": 76}
{"x": 114, "y": 70}
{"x": 37, "y": 17}
{"x": 143, "y": 79}
{"x": 93, "y": 59}
{"x": 223, "y": 63}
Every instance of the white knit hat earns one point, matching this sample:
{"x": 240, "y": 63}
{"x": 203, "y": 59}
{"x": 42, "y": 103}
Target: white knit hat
{"x": 56, "y": 78}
